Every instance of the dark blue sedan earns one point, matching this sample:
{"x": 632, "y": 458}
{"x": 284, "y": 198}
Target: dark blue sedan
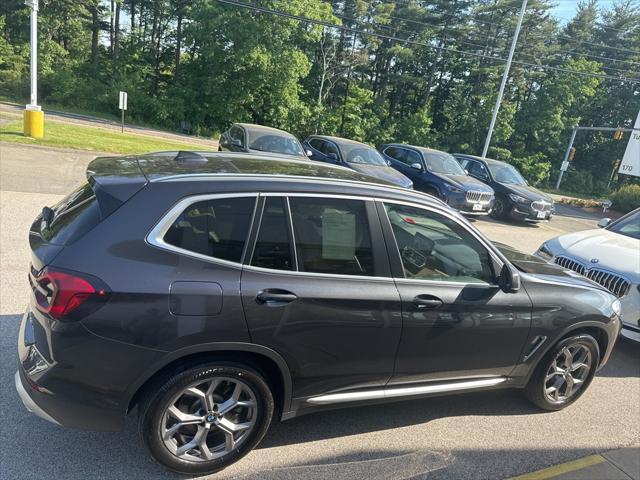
{"x": 354, "y": 155}
{"x": 439, "y": 174}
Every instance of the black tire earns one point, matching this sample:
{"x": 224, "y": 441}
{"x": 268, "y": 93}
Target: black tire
{"x": 499, "y": 210}
{"x": 537, "y": 386}
{"x": 155, "y": 403}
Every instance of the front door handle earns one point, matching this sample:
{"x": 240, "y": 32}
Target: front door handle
{"x": 274, "y": 297}
{"x": 427, "y": 301}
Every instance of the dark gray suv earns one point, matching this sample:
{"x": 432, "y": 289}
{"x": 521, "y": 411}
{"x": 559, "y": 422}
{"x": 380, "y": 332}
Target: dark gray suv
{"x": 214, "y": 292}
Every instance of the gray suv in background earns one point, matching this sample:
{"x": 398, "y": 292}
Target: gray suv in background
{"x": 215, "y": 292}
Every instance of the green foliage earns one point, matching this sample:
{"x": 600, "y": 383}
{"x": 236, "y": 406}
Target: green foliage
{"x": 534, "y": 168}
{"x": 627, "y": 198}
{"x": 202, "y": 65}
{"x": 577, "y": 181}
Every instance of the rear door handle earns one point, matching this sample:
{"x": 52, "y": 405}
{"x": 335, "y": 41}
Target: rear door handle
{"x": 275, "y": 297}
{"x": 427, "y": 301}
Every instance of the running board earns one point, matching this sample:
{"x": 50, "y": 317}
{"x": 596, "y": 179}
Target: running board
{"x": 394, "y": 392}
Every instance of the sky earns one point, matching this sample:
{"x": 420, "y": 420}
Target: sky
{"x": 566, "y": 9}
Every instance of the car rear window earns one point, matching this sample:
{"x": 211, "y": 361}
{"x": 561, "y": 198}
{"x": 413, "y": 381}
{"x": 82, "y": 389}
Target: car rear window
{"x": 216, "y": 228}
{"x": 73, "y": 217}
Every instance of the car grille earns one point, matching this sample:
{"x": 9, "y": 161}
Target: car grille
{"x": 541, "y": 206}
{"x": 474, "y": 196}
{"x": 616, "y": 284}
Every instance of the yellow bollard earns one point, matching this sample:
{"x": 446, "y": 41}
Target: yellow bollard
{"x": 34, "y": 123}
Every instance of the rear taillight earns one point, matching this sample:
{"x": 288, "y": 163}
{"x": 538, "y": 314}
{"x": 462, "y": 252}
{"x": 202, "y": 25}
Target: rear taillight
{"x": 61, "y": 293}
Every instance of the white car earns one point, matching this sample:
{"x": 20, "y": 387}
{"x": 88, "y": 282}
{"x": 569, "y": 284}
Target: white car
{"x": 610, "y": 256}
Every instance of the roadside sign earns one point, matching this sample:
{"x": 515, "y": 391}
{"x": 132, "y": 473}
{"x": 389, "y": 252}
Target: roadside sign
{"x": 564, "y": 166}
{"x": 630, "y": 164}
{"x": 122, "y": 104}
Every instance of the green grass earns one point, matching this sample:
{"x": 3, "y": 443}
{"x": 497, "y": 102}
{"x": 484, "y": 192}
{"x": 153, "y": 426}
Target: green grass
{"x": 96, "y": 139}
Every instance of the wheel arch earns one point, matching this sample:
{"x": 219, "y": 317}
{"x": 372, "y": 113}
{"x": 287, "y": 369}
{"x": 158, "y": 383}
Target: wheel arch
{"x": 268, "y": 362}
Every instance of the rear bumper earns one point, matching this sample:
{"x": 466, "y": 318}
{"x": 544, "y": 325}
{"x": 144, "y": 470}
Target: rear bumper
{"x": 28, "y": 402}
{"x": 73, "y": 378}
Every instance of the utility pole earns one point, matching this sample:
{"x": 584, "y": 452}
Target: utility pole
{"x": 505, "y": 76}
{"x": 33, "y": 114}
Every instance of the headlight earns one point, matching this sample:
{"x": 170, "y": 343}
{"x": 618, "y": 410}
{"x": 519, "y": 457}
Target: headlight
{"x": 453, "y": 189}
{"x": 518, "y": 198}
{"x": 615, "y": 306}
{"x": 544, "y": 252}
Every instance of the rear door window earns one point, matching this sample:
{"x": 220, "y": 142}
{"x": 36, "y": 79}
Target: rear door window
{"x": 273, "y": 245}
{"x": 74, "y": 216}
{"x": 332, "y": 236}
{"x": 217, "y": 228}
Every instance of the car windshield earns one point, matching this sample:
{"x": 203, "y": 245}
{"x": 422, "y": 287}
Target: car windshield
{"x": 503, "y": 173}
{"x": 629, "y": 225}
{"x": 270, "y": 142}
{"x": 443, "y": 163}
{"x": 362, "y": 154}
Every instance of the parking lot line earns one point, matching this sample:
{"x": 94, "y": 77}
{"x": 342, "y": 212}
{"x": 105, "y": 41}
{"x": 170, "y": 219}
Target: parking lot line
{"x": 562, "y": 468}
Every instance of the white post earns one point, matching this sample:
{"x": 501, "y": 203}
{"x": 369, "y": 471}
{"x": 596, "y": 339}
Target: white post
{"x": 505, "y": 76}
{"x": 33, "y": 5}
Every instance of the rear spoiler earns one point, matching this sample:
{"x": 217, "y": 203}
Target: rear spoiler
{"x": 114, "y": 180}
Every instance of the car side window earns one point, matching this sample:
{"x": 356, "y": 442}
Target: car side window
{"x": 216, "y": 228}
{"x": 413, "y": 157}
{"x": 273, "y": 245}
{"x": 395, "y": 153}
{"x": 236, "y": 133}
{"x": 332, "y": 236}
{"x": 478, "y": 170}
{"x": 316, "y": 143}
{"x": 330, "y": 147}
{"x": 436, "y": 247}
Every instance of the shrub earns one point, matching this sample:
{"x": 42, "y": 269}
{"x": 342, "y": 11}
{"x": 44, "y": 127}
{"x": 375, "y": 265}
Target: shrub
{"x": 627, "y": 198}
{"x": 578, "y": 181}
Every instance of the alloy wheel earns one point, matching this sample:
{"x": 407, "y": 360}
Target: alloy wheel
{"x": 209, "y": 419}
{"x": 567, "y": 373}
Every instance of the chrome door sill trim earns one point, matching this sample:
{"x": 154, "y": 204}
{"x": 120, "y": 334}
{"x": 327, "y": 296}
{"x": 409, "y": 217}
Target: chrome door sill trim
{"x": 404, "y": 391}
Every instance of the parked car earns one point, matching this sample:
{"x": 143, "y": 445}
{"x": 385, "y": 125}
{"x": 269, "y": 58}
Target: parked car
{"x": 515, "y": 198}
{"x": 354, "y": 155}
{"x": 439, "y": 174}
{"x": 610, "y": 256}
{"x": 208, "y": 291}
{"x": 251, "y": 138}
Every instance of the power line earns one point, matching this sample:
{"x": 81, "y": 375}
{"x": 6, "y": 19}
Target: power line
{"x": 417, "y": 22}
{"x": 414, "y": 42}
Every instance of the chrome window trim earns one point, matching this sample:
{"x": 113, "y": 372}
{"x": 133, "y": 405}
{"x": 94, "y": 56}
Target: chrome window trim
{"x": 490, "y": 248}
{"x": 335, "y": 276}
{"x": 156, "y": 236}
{"x": 399, "y": 391}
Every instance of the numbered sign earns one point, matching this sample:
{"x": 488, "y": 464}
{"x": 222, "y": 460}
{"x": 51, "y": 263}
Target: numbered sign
{"x": 630, "y": 164}
{"x": 122, "y": 103}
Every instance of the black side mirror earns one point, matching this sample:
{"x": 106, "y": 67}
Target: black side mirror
{"x": 509, "y": 280}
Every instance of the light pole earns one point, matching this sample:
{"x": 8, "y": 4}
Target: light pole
{"x": 33, "y": 114}
{"x": 505, "y": 76}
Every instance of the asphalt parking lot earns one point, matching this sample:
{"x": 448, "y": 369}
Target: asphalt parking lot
{"x": 477, "y": 436}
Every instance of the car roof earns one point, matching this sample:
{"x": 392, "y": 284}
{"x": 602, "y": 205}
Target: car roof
{"x": 254, "y": 127}
{"x": 340, "y": 140}
{"x": 475, "y": 157}
{"x": 197, "y": 166}
{"x": 415, "y": 147}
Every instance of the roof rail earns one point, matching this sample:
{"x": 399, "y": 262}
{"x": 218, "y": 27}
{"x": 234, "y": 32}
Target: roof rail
{"x": 187, "y": 157}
